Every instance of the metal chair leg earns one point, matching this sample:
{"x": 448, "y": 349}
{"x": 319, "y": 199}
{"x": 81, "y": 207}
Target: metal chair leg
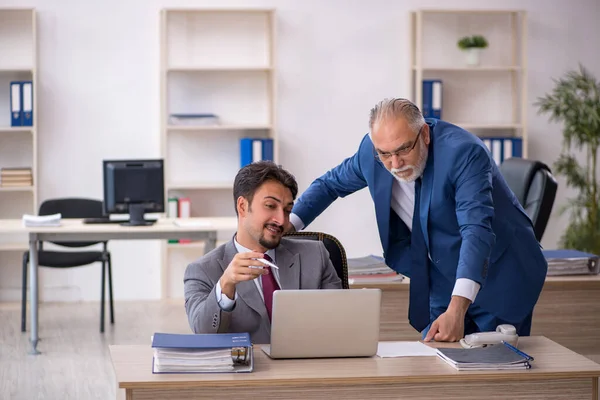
{"x": 24, "y": 296}
{"x": 102, "y": 298}
{"x": 110, "y": 292}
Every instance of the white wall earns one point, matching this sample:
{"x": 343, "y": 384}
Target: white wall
{"x": 99, "y": 98}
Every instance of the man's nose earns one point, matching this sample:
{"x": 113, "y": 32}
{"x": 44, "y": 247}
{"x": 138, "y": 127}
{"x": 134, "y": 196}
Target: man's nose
{"x": 397, "y": 162}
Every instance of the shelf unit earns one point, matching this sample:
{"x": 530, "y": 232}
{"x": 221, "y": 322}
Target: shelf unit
{"x": 218, "y": 61}
{"x": 489, "y": 99}
{"x": 18, "y": 145}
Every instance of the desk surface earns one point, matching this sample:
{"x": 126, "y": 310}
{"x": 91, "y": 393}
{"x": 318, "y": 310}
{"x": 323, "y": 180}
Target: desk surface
{"x": 552, "y": 361}
{"x": 162, "y": 225}
{"x": 552, "y": 282}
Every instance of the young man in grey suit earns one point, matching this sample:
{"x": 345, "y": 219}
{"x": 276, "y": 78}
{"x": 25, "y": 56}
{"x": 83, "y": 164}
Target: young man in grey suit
{"x": 224, "y": 291}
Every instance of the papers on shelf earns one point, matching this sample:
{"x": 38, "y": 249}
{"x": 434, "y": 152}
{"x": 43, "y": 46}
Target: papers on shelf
{"x": 41, "y": 220}
{"x": 371, "y": 269}
{"x": 404, "y": 349}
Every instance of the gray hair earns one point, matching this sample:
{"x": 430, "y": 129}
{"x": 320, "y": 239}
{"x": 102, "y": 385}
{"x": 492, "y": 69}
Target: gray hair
{"x": 397, "y": 107}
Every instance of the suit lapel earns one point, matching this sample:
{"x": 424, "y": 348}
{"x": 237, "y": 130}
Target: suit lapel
{"x": 426, "y": 189}
{"x": 289, "y": 267}
{"x": 383, "y": 201}
{"x": 246, "y": 290}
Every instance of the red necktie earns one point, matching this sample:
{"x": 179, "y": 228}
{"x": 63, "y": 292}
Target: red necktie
{"x": 269, "y": 285}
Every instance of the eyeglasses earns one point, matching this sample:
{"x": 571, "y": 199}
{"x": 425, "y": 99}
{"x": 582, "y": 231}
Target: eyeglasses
{"x": 400, "y": 152}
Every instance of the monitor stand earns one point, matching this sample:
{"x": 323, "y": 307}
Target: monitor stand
{"x": 136, "y": 216}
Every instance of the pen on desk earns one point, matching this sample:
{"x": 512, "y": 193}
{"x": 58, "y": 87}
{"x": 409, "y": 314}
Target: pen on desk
{"x": 519, "y": 352}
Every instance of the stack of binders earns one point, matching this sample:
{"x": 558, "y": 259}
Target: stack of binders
{"x": 21, "y": 103}
{"x": 255, "y": 149}
{"x": 198, "y": 353}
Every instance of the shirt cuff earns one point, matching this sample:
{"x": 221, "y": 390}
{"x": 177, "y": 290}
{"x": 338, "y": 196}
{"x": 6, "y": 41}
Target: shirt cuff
{"x": 223, "y": 300}
{"x": 297, "y": 222}
{"x": 466, "y": 288}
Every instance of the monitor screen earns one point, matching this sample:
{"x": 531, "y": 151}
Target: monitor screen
{"x": 133, "y": 182}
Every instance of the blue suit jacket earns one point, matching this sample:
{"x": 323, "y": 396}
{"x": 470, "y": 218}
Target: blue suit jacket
{"x": 473, "y": 225}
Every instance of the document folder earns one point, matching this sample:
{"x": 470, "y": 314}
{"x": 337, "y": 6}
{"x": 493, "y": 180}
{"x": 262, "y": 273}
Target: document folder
{"x": 202, "y": 353}
{"x": 571, "y": 262}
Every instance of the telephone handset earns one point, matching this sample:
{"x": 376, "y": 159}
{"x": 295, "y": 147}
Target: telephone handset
{"x": 505, "y": 332}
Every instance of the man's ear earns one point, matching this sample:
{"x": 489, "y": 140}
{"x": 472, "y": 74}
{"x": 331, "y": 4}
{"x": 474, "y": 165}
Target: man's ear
{"x": 426, "y": 136}
{"x": 242, "y": 206}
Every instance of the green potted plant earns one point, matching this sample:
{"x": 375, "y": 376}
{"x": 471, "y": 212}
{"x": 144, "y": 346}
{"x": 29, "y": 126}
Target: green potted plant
{"x": 472, "y": 46}
{"x": 575, "y": 101}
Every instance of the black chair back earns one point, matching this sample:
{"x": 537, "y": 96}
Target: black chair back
{"x": 73, "y": 208}
{"x": 534, "y": 186}
{"x": 337, "y": 254}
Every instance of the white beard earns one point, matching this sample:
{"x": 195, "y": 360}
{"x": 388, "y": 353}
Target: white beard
{"x": 417, "y": 170}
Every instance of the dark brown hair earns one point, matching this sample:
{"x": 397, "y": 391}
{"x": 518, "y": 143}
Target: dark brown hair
{"x": 252, "y": 176}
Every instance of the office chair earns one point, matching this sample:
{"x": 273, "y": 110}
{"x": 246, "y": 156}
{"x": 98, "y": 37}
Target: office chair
{"x": 72, "y": 208}
{"x": 337, "y": 254}
{"x": 534, "y": 186}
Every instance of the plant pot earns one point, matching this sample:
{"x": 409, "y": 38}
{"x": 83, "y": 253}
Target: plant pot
{"x": 473, "y": 56}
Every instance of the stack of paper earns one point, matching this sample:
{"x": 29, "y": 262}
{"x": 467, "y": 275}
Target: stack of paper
{"x": 41, "y": 220}
{"x": 571, "y": 262}
{"x": 371, "y": 269}
{"x": 222, "y": 352}
{"x": 492, "y": 357}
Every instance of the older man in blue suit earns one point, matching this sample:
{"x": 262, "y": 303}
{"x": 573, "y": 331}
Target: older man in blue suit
{"x": 446, "y": 219}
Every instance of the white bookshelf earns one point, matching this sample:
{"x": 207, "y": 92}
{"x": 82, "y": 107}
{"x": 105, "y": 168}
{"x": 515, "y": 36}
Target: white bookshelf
{"x": 217, "y": 61}
{"x": 18, "y": 145}
{"x": 489, "y": 99}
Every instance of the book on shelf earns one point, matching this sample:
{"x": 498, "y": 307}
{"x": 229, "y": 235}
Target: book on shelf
{"x": 493, "y": 357}
{"x": 571, "y": 262}
{"x": 194, "y": 119}
{"x": 432, "y": 98}
{"x": 201, "y": 353}
{"x": 16, "y": 177}
{"x": 371, "y": 269}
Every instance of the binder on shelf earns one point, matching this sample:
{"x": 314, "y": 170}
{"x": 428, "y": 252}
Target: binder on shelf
{"x": 503, "y": 148}
{"x": 185, "y": 211}
{"x": 255, "y": 149}
{"x": 27, "y": 103}
{"x": 432, "y": 98}
{"x": 245, "y": 151}
{"x": 202, "y": 353}
{"x": 16, "y": 104}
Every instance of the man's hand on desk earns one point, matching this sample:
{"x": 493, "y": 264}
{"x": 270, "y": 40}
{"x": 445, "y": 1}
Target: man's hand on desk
{"x": 450, "y": 326}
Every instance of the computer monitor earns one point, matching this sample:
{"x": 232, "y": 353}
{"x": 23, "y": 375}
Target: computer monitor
{"x": 134, "y": 187}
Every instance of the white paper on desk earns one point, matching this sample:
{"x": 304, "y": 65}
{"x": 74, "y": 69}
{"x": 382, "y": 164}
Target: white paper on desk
{"x": 404, "y": 349}
{"x": 190, "y": 223}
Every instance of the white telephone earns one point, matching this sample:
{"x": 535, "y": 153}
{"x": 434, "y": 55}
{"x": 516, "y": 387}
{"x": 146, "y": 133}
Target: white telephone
{"x": 505, "y": 332}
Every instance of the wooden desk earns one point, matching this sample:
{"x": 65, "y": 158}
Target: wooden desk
{"x": 556, "y": 373}
{"x": 75, "y": 230}
{"x": 567, "y": 312}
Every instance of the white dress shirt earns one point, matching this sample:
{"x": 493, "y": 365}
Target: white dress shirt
{"x": 403, "y": 203}
{"x": 224, "y": 301}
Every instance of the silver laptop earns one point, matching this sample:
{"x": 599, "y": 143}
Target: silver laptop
{"x": 325, "y": 323}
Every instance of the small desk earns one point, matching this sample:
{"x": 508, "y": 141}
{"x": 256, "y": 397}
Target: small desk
{"x": 556, "y": 373}
{"x": 75, "y": 230}
{"x": 568, "y": 312}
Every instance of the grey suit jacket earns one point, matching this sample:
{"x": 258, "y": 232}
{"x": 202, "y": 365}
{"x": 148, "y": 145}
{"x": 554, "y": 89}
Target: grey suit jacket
{"x": 303, "y": 264}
